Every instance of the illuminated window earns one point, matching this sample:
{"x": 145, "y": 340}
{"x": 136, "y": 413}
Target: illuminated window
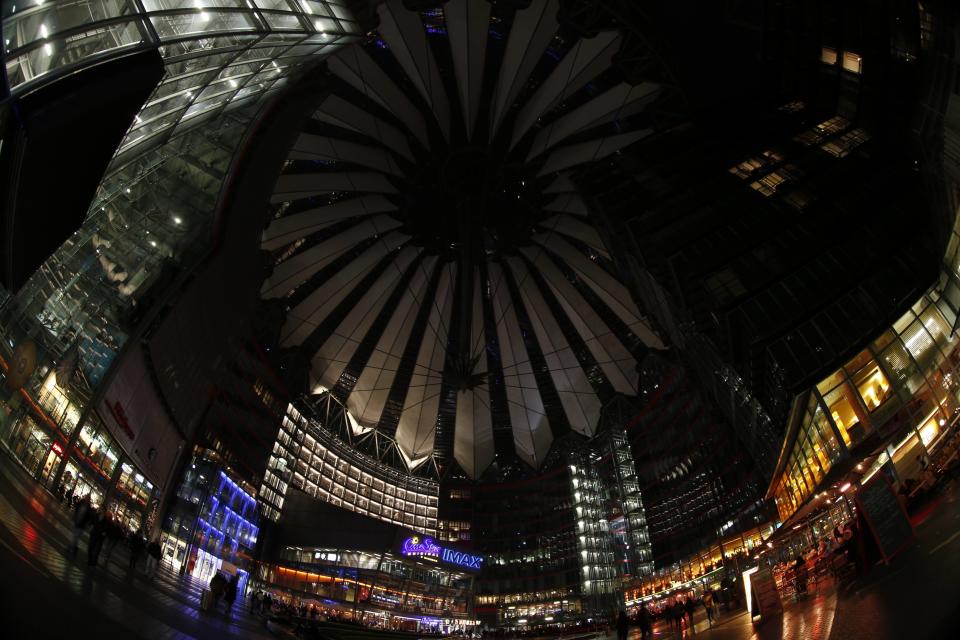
{"x": 852, "y": 62}
{"x": 828, "y": 55}
{"x": 873, "y": 386}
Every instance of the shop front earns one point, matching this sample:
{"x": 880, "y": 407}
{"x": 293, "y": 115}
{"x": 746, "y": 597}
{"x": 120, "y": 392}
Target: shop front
{"x": 891, "y": 402}
{"x": 213, "y": 525}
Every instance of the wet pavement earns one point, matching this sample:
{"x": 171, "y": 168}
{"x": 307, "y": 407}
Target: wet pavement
{"x": 45, "y": 593}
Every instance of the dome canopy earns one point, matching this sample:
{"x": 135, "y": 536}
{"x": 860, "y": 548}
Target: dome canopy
{"x": 434, "y": 258}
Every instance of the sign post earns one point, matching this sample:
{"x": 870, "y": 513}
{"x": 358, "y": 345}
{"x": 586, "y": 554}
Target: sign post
{"x": 885, "y": 517}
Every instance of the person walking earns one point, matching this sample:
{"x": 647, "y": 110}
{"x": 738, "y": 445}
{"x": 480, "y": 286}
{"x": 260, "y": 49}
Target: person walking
{"x": 255, "y": 602}
{"x": 97, "y": 536}
{"x": 690, "y": 606}
{"x": 114, "y": 534}
{"x": 645, "y": 621}
{"x": 81, "y": 518}
{"x": 231, "y": 591}
{"x": 154, "y": 554}
{"x": 622, "y": 625}
{"x": 137, "y": 546}
{"x": 707, "y": 601}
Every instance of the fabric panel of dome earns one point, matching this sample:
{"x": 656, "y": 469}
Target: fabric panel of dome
{"x": 357, "y": 68}
{"x": 314, "y": 147}
{"x": 304, "y": 316}
{"x": 499, "y": 403}
{"x": 417, "y": 426}
{"x": 613, "y": 292}
{"x": 580, "y": 402}
{"x": 567, "y": 203}
{"x": 293, "y": 272}
{"x": 467, "y": 24}
{"x": 618, "y": 102}
{"x": 291, "y": 228}
{"x": 618, "y": 365}
{"x": 335, "y": 353}
{"x": 533, "y": 29}
{"x": 576, "y": 228}
{"x": 306, "y": 185}
{"x": 368, "y": 397}
{"x": 395, "y": 404}
{"x": 584, "y": 152}
{"x": 403, "y": 32}
{"x": 338, "y": 112}
{"x": 591, "y": 369}
{"x": 532, "y": 432}
{"x": 473, "y": 445}
{"x": 581, "y": 64}
{"x": 561, "y": 184}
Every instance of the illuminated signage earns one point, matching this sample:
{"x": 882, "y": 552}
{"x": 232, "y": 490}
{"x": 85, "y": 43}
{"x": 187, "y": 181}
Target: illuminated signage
{"x": 57, "y": 448}
{"x": 467, "y": 560}
{"x": 116, "y": 409}
{"x": 417, "y": 546}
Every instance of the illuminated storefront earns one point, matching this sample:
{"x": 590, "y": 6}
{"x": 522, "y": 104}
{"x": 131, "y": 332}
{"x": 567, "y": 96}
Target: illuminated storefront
{"x": 384, "y": 588}
{"x": 901, "y": 390}
{"x": 213, "y": 525}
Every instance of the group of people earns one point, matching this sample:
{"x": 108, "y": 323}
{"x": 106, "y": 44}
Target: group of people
{"x": 106, "y": 531}
{"x": 828, "y": 549}
{"x": 221, "y": 587}
{"x": 677, "y": 614}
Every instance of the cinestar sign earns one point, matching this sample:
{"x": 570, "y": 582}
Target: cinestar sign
{"x": 417, "y": 546}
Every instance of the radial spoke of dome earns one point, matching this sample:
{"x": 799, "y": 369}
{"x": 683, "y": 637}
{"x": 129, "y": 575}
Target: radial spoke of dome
{"x": 354, "y": 314}
{"x": 291, "y": 228}
{"x": 338, "y": 112}
{"x": 496, "y": 289}
{"x": 295, "y": 272}
{"x": 581, "y": 64}
{"x": 403, "y": 31}
{"x": 393, "y": 408}
{"x": 591, "y": 369}
{"x": 584, "y": 152}
{"x": 325, "y": 295}
{"x": 369, "y": 366}
{"x": 355, "y": 66}
{"x": 577, "y": 228}
{"x": 420, "y": 426}
{"x": 499, "y": 410}
{"x": 305, "y": 185}
{"x": 468, "y": 22}
{"x": 562, "y": 184}
{"x": 314, "y": 147}
{"x": 568, "y": 203}
{"x": 523, "y": 338}
{"x": 579, "y": 401}
{"x": 618, "y": 102}
{"x": 533, "y": 29}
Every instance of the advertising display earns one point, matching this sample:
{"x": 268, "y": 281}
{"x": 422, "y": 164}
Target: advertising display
{"x": 133, "y": 413}
{"x": 886, "y": 519}
{"x": 426, "y": 547}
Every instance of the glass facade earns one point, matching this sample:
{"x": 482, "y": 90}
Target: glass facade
{"x": 372, "y": 583}
{"x": 213, "y": 521}
{"x": 901, "y": 386}
{"x": 306, "y": 456}
{"x": 153, "y": 212}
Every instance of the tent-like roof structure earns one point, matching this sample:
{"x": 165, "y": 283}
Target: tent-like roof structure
{"x": 433, "y": 256}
